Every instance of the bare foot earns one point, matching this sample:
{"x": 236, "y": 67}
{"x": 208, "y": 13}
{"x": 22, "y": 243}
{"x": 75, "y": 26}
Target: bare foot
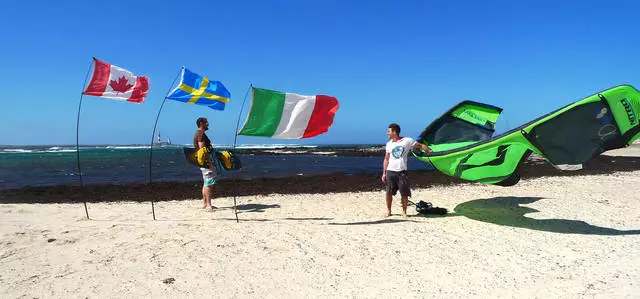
{"x": 387, "y": 214}
{"x": 404, "y": 215}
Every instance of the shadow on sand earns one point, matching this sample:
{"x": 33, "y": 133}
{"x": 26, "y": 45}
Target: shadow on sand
{"x": 383, "y": 221}
{"x": 308, "y": 218}
{"x": 256, "y": 208}
{"x": 508, "y": 212}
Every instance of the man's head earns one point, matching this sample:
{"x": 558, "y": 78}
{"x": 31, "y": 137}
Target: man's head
{"x": 202, "y": 123}
{"x": 393, "y": 131}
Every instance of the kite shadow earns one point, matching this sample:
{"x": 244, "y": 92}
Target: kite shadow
{"x": 508, "y": 212}
{"x": 307, "y": 218}
{"x": 256, "y": 208}
{"x": 383, "y": 221}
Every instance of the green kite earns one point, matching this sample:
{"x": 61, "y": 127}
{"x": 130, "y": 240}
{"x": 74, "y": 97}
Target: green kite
{"x": 463, "y": 145}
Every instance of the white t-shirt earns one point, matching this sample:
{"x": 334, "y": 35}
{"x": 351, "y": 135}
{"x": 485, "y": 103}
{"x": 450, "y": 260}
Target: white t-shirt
{"x": 398, "y": 153}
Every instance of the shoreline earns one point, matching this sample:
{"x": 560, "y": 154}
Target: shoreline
{"x": 616, "y": 161}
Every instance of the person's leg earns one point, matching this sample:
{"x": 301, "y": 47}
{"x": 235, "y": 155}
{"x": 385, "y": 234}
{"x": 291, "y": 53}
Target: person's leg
{"x": 204, "y": 197}
{"x": 208, "y": 190}
{"x": 209, "y": 178}
{"x": 405, "y": 191}
{"x": 405, "y": 201}
{"x": 392, "y": 188}
{"x": 211, "y": 197}
{"x": 389, "y": 199}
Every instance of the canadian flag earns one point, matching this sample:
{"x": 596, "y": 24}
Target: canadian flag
{"x": 110, "y": 81}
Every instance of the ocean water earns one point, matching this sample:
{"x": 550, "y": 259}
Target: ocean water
{"x": 56, "y": 165}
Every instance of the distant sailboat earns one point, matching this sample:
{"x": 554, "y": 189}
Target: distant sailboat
{"x": 160, "y": 142}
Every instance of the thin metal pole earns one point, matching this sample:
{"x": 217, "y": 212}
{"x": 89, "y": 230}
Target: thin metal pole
{"x": 86, "y": 211}
{"x": 235, "y": 139}
{"x": 153, "y": 210}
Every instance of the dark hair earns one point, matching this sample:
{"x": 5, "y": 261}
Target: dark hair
{"x": 201, "y": 120}
{"x": 395, "y": 127}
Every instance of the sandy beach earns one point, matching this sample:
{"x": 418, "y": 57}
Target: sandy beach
{"x": 570, "y": 236}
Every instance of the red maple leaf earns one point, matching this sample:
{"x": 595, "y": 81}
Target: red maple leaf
{"x": 122, "y": 85}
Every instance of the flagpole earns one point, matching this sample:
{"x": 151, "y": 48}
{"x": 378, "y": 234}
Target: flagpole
{"x": 86, "y": 211}
{"x": 235, "y": 138}
{"x": 153, "y": 210}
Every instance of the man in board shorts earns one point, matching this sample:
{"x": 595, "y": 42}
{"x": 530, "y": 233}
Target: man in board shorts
{"x": 201, "y": 140}
{"x": 394, "y": 167}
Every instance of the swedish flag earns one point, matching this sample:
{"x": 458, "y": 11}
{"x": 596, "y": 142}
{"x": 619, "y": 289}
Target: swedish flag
{"x": 195, "y": 89}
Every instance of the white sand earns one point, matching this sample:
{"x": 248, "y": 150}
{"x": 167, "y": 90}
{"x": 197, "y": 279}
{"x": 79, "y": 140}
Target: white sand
{"x": 579, "y": 238}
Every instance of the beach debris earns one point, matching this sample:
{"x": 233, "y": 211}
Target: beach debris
{"x": 169, "y": 280}
{"x": 50, "y": 240}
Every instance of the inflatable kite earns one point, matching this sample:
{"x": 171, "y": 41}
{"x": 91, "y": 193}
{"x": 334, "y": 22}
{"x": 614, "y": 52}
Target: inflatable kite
{"x": 569, "y": 137}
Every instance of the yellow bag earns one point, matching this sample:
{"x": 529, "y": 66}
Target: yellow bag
{"x": 228, "y": 160}
{"x": 199, "y": 157}
{"x": 202, "y": 153}
{"x": 225, "y": 158}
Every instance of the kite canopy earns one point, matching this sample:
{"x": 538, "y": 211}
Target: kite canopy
{"x": 466, "y": 123}
{"x": 567, "y": 138}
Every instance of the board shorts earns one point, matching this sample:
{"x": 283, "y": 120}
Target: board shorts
{"x": 208, "y": 176}
{"x": 398, "y": 181}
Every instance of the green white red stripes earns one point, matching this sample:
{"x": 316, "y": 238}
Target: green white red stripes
{"x": 288, "y": 115}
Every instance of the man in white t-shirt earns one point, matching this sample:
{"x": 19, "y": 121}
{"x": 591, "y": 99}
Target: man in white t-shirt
{"x": 394, "y": 168}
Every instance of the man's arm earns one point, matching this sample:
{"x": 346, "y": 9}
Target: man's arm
{"x": 384, "y": 167}
{"x": 423, "y": 147}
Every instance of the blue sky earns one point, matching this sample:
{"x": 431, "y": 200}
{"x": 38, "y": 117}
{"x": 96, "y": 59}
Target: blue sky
{"x": 391, "y": 61}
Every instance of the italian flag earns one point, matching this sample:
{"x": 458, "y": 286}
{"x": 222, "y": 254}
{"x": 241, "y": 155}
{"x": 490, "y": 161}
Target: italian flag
{"x": 110, "y": 81}
{"x": 288, "y": 115}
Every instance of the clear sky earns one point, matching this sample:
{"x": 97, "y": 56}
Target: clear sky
{"x": 385, "y": 61}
